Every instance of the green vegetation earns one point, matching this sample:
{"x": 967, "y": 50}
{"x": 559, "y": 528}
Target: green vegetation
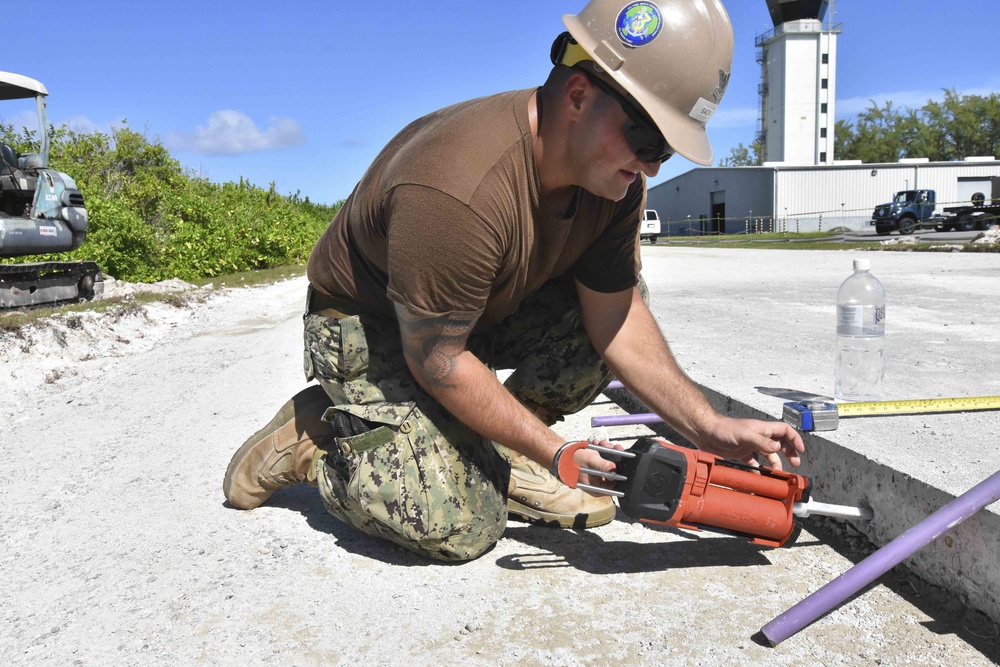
{"x": 786, "y": 241}
{"x": 745, "y": 156}
{"x": 150, "y": 219}
{"x": 957, "y": 127}
{"x": 835, "y": 239}
{"x": 253, "y": 278}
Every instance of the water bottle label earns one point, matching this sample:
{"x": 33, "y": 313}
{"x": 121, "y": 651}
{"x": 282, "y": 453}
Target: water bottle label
{"x": 851, "y": 321}
{"x": 850, "y": 317}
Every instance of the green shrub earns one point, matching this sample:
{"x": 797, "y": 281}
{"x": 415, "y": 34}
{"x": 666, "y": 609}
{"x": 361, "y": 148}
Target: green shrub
{"x": 150, "y": 219}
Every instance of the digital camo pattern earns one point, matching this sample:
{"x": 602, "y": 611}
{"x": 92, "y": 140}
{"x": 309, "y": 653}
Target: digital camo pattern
{"x": 419, "y": 477}
{"x": 555, "y": 367}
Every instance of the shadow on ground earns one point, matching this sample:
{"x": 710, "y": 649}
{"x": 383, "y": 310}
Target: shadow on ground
{"x": 588, "y": 552}
{"x": 306, "y": 500}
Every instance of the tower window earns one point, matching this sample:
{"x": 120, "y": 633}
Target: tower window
{"x": 822, "y": 107}
{"x": 822, "y": 132}
{"x": 824, "y": 84}
{"x": 822, "y": 157}
{"x": 826, "y": 58}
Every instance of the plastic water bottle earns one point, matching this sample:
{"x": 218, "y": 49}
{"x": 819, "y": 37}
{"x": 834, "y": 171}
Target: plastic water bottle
{"x": 860, "y": 336}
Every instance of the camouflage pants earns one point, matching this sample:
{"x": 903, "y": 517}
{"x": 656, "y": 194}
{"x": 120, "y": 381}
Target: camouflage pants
{"x": 420, "y": 478}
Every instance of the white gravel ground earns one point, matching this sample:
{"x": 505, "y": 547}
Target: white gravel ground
{"x": 118, "y": 547}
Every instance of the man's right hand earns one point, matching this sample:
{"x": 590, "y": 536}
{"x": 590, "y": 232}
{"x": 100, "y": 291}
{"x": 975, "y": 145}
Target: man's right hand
{"x": 588, "y": 458}
{"x": 743, "y": 439}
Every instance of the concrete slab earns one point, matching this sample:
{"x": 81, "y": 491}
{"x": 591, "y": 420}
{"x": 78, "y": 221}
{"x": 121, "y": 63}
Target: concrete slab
{"x": 741, "y": 320}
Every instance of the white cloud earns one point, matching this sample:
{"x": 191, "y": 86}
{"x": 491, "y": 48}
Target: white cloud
{"x": 80, "y": 124}
{"x": 231, "y": 132}
{"x": 23, "y": 119}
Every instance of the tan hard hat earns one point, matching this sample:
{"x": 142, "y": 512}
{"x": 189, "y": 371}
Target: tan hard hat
{"x": 672, "y": 56}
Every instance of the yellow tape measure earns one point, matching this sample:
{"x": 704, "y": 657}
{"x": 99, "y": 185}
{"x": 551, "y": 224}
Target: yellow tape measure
{"x": 823, "y": 416}
{"x": 916, "y": 406}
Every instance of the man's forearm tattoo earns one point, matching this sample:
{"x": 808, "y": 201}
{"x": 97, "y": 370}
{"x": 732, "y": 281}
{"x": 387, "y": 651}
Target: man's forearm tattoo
{"x": 433, "y": 345}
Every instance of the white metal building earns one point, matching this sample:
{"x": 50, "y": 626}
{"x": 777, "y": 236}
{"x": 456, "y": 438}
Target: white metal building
{"x": 779, "y": 197}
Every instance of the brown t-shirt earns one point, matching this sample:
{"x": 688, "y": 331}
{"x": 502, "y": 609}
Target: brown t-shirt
{"x": 447, "y": 222}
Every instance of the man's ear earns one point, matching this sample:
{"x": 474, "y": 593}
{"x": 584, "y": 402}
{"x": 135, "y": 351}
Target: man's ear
{"x": 577, "y": 93}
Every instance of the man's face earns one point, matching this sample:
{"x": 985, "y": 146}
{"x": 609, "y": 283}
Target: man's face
{"x": 606, "y": 163}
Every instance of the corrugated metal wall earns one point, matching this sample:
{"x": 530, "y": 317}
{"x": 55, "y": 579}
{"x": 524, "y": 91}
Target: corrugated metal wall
{"x": 828, "y": 197}
{"x": 685, "y": 200}
{"x": 846, "y": 195}
{"x": 801, "y": 198}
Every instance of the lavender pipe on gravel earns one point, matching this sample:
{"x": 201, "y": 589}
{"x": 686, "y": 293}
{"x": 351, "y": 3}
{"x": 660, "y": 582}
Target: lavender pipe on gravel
{"x": 625, "y": 420}
{"x": 880, "y": 562}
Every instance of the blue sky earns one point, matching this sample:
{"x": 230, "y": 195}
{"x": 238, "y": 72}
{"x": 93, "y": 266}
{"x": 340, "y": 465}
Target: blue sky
{"x": 306, "y": 93}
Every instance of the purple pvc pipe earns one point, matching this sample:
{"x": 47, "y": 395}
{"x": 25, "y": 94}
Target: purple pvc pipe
{"x": 623, "y": 420}
{"x": 880, "y": 562}
{"x": 615, "y": 384}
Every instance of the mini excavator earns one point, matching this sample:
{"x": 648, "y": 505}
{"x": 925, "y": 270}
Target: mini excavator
{"x": 41, "y": 212}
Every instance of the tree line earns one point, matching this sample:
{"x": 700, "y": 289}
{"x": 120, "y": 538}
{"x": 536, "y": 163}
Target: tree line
{"x": 954, "y": 128}
{"x": 151, "y": 219}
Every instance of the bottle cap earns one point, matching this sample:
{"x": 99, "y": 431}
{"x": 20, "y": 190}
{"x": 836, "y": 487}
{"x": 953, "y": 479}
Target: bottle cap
{"x": 862, "y": 264}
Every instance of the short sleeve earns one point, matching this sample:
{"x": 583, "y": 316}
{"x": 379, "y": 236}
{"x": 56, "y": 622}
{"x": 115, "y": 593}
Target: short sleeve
{"x": 612, "y": 263}
{"x": 442, "y": 258}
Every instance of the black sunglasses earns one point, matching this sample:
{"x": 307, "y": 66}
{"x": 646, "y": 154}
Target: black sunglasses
{"x": 642, "y": 136}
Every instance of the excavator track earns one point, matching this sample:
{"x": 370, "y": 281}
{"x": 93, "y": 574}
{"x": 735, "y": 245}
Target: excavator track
{"x": 49, "y": 283}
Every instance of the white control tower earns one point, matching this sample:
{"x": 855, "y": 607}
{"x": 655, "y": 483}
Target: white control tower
{"x": 798, "y": 83}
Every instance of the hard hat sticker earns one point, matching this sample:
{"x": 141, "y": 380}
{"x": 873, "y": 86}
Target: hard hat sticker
{"x": 703, "y": 110}
{"x": 721, "y": 88}
{"x": 639, "y": 23}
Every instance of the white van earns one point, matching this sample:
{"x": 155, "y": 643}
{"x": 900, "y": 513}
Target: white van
{"x": 650, "y": 227}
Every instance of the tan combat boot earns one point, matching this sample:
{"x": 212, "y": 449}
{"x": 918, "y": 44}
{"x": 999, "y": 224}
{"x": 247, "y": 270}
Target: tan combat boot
{"x": 283, "y": 453}
{"x": 535, "y": 495}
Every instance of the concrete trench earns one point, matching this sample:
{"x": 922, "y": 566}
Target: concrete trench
{"x": 963, "y": 561}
